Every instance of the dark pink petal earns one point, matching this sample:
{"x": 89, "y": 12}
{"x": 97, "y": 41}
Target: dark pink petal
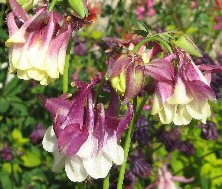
{"x": 182, "y": 179}
{"x": 125, "y": 121}
{"x": 211, "y": 68}
{"x": 18, "y": 11}
{"x": 71, "y": 139}
{"x": 99, "y": 128}
{"x": 160, "y": 70}
{"x": 118, "y": 64}
{"x": 165, "y": 89}
{"x": 114, "y": 104}
{"x": 58, "y": 108}
{"x": 12, "y": 26}
{"x": 89, "y": 123}
{"x": 200, "y": 88}
{"x": 134, "y": 81}
{"x": 38, "y": 22}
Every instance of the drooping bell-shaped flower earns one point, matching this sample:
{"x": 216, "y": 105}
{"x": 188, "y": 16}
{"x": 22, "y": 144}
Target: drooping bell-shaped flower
{"x": 125, "y": 68}
{"x": 184, "y": 93}
{"x": 37, "y": 44}
{"x": 167, "y": 181}
{"x": 84, "y": 138}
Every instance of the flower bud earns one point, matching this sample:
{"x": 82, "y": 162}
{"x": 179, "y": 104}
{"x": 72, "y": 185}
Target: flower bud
{"x": 79, "y": 7}
{"x": 119, "y": 83}
{"x": 185, "y": 43}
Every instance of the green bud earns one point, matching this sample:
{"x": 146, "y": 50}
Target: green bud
{"x": 28, "y": 4}
{"x": 185, "y": 43}
{"x": 119, "y": 83}
{"x": 79, "y": 7}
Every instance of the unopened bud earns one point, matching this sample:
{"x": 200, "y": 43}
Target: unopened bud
{"x": 79, "y": 7}
{"x": 185, "y": 43}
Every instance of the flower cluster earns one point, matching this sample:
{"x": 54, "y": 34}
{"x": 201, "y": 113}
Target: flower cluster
{"x": 84, "y": 137}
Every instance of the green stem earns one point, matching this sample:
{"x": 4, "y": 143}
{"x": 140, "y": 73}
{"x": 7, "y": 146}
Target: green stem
{"x": 66, "y": 71}
{"x": 52, "y": 4}
{"x": 128, "y": 141}
{"x": 106, "y": 182}
{"x": 141, "y": 43}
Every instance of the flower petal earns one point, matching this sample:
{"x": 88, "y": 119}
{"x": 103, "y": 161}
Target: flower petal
{"x": 182, "y": 117}
{"x": 59, "y": 161}
{"x": 75, "y": 170}
{"x": 97, "y": 166}
{"x": 50, "y": 141}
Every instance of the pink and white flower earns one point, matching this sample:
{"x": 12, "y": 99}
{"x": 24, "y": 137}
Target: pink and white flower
{"x": 84, "y": 139}
{"x": 37, "y": 44}
{"x": 181, "y": 94}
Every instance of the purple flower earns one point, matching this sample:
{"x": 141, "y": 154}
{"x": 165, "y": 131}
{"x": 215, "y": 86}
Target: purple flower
{"x": 187, "y": 148}
{"x": 171, "y": 139}
{"x": 209, "y": 131}
{"x": 80, "y": 48}
{"x": 140, "y": 167}
{"x": 38, "y": 134}
{"x": 84, "y": 138}
{"x": 7, "y": 154}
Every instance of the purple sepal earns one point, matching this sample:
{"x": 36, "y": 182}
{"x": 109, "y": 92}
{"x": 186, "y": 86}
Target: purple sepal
{"x": 18, "y": 11}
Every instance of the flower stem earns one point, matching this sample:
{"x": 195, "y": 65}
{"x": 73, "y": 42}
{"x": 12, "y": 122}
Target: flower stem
{"x": 141, "y": 43}
{"x": 66, "y": 71}
{"x": 128, "y": 141}
{"x": 106, "y": 182}
{"x": 52, "y": 4}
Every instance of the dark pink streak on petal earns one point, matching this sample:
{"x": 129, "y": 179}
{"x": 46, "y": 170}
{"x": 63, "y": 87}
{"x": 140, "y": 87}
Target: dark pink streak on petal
{"x": 134, "y": 81}
{"x": 99, "y": 128}
{"x": 125, "y": 121}
{"x": 71, "y": 139}
{"x": 160, "y": 70}
{"x": 165, "y": 89}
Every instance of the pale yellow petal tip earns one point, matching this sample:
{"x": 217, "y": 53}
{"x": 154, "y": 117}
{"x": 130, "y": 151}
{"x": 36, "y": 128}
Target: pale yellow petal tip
{"x": 14, "y": 40}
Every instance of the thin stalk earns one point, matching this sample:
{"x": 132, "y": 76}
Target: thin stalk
{"x": 106, "y": 182}
{"x": 128, "y": 141}
{"x": 66, "y": 71}
{"x": 141, "y": 43}
{"x": 52, "y": 4}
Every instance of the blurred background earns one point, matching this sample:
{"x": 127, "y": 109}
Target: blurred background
{"x": 191, "y": 151}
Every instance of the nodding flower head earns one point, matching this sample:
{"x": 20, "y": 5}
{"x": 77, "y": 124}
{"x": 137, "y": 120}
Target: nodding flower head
{"x": 84, "y": 137}
{"x": 37, "y": 44}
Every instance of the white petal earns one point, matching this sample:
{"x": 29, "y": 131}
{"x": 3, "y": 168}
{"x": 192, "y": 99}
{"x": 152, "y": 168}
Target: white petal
{"x": 113, "y": 151}
{"x": 50, "y": 141}
{"x": 75, "y": 170}
{"x": 180, "y": 95}
{"x": 182, "y": 117}
{"x": 97, "y": 166}
{"x": 199, "y": 110}
{"x": 36, "y": 74}
{"x": 167, "y": 113}
{"x": 157, "y": 104}
{"x": 22, "y": 74}
{"x": 86, "y": 150}
{"x": 59, "y": 161}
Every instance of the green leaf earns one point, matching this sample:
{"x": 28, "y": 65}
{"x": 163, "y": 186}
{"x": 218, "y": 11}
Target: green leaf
{"x": 18, "y": 138}
{"x": 31, "y": 158}
{"x": 4, "y": 105}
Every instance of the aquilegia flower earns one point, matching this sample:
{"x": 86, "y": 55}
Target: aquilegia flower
{"x": 167, "y": 181}
{"x": 184, "y": 93}
{"x": 84, "y": 138}
{"x": 37, "y": 44}
{"x": 126, "y": 69}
